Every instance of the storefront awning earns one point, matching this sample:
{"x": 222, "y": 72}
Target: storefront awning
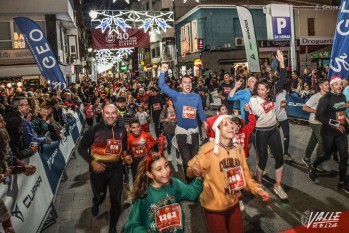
{"x": 19, "y": 70}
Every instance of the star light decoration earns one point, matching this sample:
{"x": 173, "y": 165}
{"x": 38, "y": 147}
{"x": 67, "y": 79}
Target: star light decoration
{"x": 106, "y": 58}
{"x": 119, "y": 21}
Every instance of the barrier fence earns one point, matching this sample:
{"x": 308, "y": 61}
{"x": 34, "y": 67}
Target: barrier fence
{"x": 29, "y": 198}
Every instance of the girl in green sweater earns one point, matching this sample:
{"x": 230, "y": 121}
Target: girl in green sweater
{"x": 156, "y": 197}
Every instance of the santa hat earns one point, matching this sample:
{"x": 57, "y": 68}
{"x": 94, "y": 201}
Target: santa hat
{"x": 335, "y": 79}
{"x": 216, "y": 130}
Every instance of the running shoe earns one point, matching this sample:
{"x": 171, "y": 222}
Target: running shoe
{"x": 242, "y": 206}
{"x": 306, "y": 161}
{"x": 280, "y": 192}
{"x": 288, "y": 157}
{"x": 312, "y": 172}
{"x": 344, "y": 187}
{"x": 95, "y": 209}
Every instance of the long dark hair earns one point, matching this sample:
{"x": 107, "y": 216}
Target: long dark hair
{"x": 271, "y": 96}
{"x": 142, "y": 181}
{"x": 14, "y": 125}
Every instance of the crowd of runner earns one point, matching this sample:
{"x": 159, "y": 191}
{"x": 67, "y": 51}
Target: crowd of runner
{"x": 213, "y": 151}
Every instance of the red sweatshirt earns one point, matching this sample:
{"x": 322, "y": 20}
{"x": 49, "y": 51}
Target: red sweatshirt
{"x": 244, "y": 134}
{"x": 141, "y": 145}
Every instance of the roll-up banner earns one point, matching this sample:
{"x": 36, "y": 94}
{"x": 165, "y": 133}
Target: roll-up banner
{"x": 42, "y": 52}
{"x": 339, "y": 63}
{"x": 250, "y": 41}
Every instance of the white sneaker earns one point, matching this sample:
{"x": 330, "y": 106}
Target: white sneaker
{"x": 179, "y": 162}
{"x": 169, "y": 158}
{"x": 280, "y": 192}
{"x": 242, "y": 206}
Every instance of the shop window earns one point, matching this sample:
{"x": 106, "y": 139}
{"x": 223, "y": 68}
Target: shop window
{"x": 5, "y": 35}
{"x": 194, "y": 35}
{"x": 311, "y": 27}
{"x": 185, "y": 39}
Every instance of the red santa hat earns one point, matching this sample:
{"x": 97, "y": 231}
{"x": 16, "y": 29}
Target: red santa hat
{"x": 216, "y": 130}
{"x": 335, "y": 79}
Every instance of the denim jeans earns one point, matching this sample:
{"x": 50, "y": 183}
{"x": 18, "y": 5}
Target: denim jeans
{"x": 169, "y": 144}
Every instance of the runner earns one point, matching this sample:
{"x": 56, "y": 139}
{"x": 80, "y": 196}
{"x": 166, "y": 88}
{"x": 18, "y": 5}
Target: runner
{"x": 311, "y": 106}
{"x": 187, "y": 106}
{"x": 156, "y": 196}
{"x": 104, "y": 147}
{"x": 331, "y": 113}
{"x": 266, "y": 133}
{"x": 139, "y": 144}
{"x": 226, "y": 173}
{"x": 156, "y": 103}
{"x": 224, "y": 90}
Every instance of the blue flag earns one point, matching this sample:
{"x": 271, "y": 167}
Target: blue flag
{"x": 339, "y": 63}
{"x": 42, "y": 52}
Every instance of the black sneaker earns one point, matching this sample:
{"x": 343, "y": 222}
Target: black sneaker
{"x": 312, "y": 173}
{"x": 335, "y": 157}
{"x": 344, "y": 187}
{"x": 95, "y": 209}
{"x": 112, "y": 230}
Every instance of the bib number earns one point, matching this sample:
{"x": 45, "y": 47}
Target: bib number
{"x": 226, "y": 90}
{"x": 239, "y": 139}
{"x": 340, "y": 116}
{"x": 172, "y": 117}
{"x": 236, "y": 179}
{"x": 139, "y": 151}
{"x": 268, "y": 106}
{"x": 189, "y": 112}
{"x": 113, "y": 147}
{"x": 169, "y": 217}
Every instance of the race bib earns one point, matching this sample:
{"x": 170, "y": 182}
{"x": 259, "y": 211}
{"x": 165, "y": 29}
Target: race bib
{"x": 156, "y": 106}
{"x": 169, "y": 217}
{"x": 226, "y": 90}
{"x": 236, "y": 179}
{"x": 283, "y": 104}
{"x": 139, "y": 151}
{"x": 268, "y": 106}
{"x": 189, "y": 112}
{"x": 172, "y": 117}
{"x": 340, "y": 116}
{"x": 113, "y": 147}
{"x": 239, "y": 139}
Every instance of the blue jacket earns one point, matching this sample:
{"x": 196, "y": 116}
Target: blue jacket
{"x": 180, "y": 100}
{"x": 29, "y": 135}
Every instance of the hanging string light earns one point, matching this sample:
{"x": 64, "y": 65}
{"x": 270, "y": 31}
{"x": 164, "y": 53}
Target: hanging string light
{"x": 106, "y": 58}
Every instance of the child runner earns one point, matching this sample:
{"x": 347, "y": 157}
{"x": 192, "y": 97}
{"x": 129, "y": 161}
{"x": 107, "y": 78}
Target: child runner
{"x": 226, "y": 173}
{"x": 139, "y": 144}
{"x": 156, "y": 197}
{"x": 142, "y": 116}
{"x": 222, "y": 110}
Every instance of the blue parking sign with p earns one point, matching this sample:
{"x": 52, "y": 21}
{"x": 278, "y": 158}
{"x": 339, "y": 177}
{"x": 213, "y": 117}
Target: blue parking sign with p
{"x": 281, "y": 28}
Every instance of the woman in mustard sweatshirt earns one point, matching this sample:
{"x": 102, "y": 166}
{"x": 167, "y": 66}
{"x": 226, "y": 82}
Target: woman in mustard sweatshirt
{"x": 225, "y": 172}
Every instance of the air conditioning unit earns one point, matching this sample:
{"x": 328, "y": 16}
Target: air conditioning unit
{"x": 239, "y": 41}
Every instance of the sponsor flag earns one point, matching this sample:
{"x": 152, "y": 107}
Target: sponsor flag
{"x": 339, "y": 63}
{"x": 42, "y": 52}
{"x": 250, "y": 41}
{"x": 127, "y": 39}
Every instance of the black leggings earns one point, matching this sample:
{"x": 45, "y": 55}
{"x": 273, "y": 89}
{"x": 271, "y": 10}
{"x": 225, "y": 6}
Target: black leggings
{"x": 285, "y": 126}
{"x": 113, "y": 180}
{"x": 341, "y": 142}
{"x": 264, "y": 137}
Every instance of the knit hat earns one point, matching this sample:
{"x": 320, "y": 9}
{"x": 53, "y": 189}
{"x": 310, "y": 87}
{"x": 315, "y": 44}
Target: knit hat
{"x": 335, "y": 79}
{"x": 216, "y": 130}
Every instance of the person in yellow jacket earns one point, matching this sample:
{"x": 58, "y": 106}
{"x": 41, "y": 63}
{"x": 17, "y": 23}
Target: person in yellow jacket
{"x": 226, "y": 173}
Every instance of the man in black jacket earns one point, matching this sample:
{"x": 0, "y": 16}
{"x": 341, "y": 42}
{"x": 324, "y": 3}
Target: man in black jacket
{"x": 156, "y": 103}
{"x": 104, "y": 147}
{"x": 331, "y": 113}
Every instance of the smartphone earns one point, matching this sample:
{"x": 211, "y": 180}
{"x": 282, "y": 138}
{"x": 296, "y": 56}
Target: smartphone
{"x": 334, "y": 123}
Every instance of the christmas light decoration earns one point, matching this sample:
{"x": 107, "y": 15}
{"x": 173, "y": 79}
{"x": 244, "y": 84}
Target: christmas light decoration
{"x": 117, "y": 21}
{"x": 106, "y": 58}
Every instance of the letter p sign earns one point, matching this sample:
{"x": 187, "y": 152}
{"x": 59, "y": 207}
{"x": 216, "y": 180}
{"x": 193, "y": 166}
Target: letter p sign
{"x": 280, "y": 24}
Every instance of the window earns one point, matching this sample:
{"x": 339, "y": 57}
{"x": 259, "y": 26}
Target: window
{"x": 311, "y": 27}
{"x": 194, "y": 35}
{"x": 5, "y": 35}
{"x": 157, "y": 51}
{"x": 185, "y": 39}
{"x": 153, "y": 53}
